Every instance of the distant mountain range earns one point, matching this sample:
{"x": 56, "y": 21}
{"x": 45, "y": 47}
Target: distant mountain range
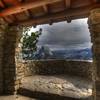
{"x": 46, "y": 53}
{"x": 83, "y": 54}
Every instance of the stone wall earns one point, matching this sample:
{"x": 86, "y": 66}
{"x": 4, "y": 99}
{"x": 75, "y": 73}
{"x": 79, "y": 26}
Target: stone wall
{"x": 11, "y": 61}
{"x": 94, "y": 26}
{"x": 1, "y": 76}
{"x": 51, "y": 67}
{"x": 11, "y": 69}
{"x": 2, "y": 28}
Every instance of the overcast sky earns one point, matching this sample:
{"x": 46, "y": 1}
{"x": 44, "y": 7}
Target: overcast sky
{"x": 65, "y": 35}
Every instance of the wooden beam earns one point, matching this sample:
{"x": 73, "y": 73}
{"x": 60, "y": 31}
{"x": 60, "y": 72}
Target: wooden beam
{"x": 67, "y": 3}
{"x": 30, "y": 14}
{"x": 2, "y": 4}
{"x": 45, "y": 9}
{"x": 25, "y": 6}
{"x": 68, "y": 19}
{"x": 10, "y": 2}
{"x": 71, "y": 13}
{"x": 27, "y": 13}
{"x": 94, "y": 0}
{"x": 98, "y": 1}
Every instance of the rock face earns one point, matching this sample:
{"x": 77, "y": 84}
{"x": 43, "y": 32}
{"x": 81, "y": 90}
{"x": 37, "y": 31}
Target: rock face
{"x": 43, "y": 53}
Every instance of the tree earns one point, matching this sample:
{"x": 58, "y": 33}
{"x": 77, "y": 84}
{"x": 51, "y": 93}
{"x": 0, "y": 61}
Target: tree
{"x": 30, "y": 41}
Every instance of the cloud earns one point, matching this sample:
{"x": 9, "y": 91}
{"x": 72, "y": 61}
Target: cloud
{"x": 65, "y": 34}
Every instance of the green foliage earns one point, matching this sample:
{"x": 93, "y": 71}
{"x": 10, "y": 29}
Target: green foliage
{"x": 30, "y": 41}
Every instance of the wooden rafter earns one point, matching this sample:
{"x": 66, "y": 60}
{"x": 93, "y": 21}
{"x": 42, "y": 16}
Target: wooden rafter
{"x": 31, "y": 14}
{"x": 27, "y": 13}
{"x": 82, "y": 11}
{"x": 25, "y": 6}
{"x": 45, "y": 8}
{"x": 10, "y": 2}
{"x": 2, "y": 4}
{"x": 15, "y": 18}
{"x": 9, "y": 19}
{"x": 94, "y": 0}
{"x": 67, "y": 3}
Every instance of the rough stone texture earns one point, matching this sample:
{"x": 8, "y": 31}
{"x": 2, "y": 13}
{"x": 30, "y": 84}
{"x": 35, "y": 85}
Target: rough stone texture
{"x": 14, "y": 97}
{"x": 2, "y": 31}
{"x": 11, "y": 63}
{"x": 52, "y": 67}
{"x": 1, "y": 74}
{"x": 94, "y": 26}
{"x": 63, "y": 85}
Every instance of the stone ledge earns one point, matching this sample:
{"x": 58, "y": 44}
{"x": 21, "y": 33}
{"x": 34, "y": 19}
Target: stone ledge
{"x": 52, "y": 67}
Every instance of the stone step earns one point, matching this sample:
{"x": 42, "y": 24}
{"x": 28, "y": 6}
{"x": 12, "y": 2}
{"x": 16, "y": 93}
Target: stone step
{"x": 55, "y": 86}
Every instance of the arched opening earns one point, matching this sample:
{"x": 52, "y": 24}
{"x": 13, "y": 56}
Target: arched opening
{"x": 73, "y": 43}
{"x": 63, "y": 41}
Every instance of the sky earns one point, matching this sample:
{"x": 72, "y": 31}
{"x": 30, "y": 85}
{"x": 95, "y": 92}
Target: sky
{"x": 63, "y": 35}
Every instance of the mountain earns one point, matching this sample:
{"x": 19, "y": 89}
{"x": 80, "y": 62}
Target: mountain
{"x": 46, "y": 53}
{"x": 43, "y": 53}
{"x": 83, "y": 54}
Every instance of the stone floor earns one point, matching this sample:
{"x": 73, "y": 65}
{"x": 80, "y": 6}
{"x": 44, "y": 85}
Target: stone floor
{"x": 74, "y": 87}
{"x": 56, "y": 86}
{"x": 15, "y": 98}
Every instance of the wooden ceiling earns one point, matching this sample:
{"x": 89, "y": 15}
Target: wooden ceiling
{"x": 36, "y": 12}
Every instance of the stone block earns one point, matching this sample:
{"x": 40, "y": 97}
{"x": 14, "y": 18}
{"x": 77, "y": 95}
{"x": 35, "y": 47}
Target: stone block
{"x": 98, "y": 85}
{"x": 95, "y": 16}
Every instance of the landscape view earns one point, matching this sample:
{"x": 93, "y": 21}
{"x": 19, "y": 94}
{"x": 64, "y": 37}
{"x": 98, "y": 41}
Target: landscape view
{"x": 62, "y": 41}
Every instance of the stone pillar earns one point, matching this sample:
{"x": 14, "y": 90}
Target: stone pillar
{"x": 11, "y": 62}
{"x": 94, "y": 26}
{"x": 2, "y": 30}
